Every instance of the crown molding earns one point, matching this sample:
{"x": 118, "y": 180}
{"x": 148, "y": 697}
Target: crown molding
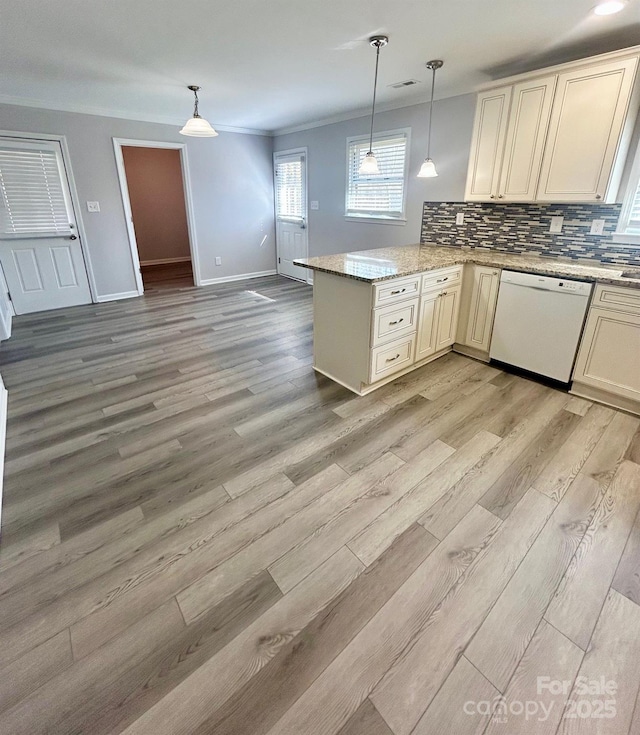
{"x": 119, "y": 114}
{"x": 365, "y": 112}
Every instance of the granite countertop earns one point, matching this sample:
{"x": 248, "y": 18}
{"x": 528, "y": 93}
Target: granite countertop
{"x": 385, "y": 263}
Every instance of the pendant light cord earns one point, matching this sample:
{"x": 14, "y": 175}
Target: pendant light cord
{"x": 373, "y": 106}
{"x": 433, "y": 84}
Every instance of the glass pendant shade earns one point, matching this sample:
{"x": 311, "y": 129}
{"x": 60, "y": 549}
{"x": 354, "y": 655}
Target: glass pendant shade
{"x": 198, "y": 127}
{"x": 427, "y": 170}
{"x": 369, "y": 165}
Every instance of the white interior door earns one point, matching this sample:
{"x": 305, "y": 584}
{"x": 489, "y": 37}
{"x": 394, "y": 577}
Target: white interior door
{"x": 290, "y": 175}
{"x": 40, "y": 250}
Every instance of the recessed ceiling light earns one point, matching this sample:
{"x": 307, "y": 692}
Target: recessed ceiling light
{"x": 610, "y": 7}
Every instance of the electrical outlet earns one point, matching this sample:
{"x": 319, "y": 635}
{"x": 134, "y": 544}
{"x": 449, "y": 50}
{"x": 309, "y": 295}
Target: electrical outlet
{"x": 218, "y": 261}
{"x": 597, "y": 227}
{"x": 556, "y": 224}
{"x": 460, "y": 218}
{"x": 315, "y": 205}
{"x": 93, "y": 206}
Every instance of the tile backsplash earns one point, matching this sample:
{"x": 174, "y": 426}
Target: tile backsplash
{"x": 524, "y": 228}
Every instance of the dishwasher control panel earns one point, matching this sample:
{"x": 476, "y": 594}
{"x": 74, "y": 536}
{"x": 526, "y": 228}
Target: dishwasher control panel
{"x": 546, "y": 283}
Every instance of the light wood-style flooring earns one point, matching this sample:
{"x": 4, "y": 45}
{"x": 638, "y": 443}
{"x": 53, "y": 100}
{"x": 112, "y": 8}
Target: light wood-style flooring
{"x": 200, "y": 535}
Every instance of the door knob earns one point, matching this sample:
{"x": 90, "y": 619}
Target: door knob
{"x": 72, "y": 237}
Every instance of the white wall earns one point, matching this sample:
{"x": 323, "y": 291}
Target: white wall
{"x": 231, "y": 179}
{"x": 329, "y": 231}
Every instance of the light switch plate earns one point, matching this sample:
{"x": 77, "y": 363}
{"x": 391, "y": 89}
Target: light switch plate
{"x": 218, "y": 261}
{"x": 93, "y": 206}
{"x": 460, "y": 218}
{"x": 315, "y": 205}
{"x": 597, "y": 227}
{"x": 556, "y": 224}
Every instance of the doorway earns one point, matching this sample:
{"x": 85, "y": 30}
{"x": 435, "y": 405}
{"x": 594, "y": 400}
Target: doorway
{"x": 156, "y": 196}
{"x": 292, "y": 236}
{"x": 41, "y": 252}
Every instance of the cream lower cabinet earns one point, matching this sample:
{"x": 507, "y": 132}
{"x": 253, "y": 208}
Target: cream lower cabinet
{"x": 608, "y": 364}
{"x": 439, "y": 309}
{"x": 365, "y": 334}
{"x": 478, "y": 308}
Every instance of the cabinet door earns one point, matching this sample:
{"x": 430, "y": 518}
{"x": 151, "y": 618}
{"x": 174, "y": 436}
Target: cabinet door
{"x": 526, "y": 134}
{"x": 609, "y": 356}
{"x": 487, "y": 144}
{"x": 587, "y": 121}
{"x": 483, "y": 307}
{"x": 428, "y": 324}
{"x": 447, "y": 317}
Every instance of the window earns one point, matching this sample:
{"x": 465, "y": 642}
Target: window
{"x": 32, "y": 197}
{"x": 290, "y": 184}
{"x": 379, "y": 196}
{"x": 629, "y": 223}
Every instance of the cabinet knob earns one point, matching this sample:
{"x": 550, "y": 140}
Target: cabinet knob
{"x": 598, "y": 196}
{"x": 500, "y": 196}
{"x": 493, "y": 196}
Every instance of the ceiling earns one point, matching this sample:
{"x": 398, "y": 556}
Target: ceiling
{"x": 275, "y": 64}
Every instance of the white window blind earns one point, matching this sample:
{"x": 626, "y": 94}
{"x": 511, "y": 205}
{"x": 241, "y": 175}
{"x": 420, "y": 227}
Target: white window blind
{"x": 377, "y": 195}
{"x": 632, "y": 225}
{"x": 32, "y": 197}
{"x": 289, "y": 183}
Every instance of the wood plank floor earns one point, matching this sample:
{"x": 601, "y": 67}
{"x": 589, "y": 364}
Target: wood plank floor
{"x": 200, "y": 535}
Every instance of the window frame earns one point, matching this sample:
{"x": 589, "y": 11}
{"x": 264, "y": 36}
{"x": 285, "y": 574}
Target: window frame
{"x": 621, "y": 236}
{"x": 371, "y": 217}
{"x": 55, "y": 147}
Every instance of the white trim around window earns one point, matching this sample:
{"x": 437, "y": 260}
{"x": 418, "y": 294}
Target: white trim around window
{"x": 631, "y": 206}
{"x": 364, "y": 206}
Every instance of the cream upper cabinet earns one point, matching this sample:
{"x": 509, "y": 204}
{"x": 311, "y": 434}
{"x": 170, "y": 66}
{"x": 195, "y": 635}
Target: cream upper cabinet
{"x": 487, "y": 145}
{"x": 588, "y": 118}
{"x": 526, "y": 134}
{"x": 561, "y": 137}
{"x": 508, "y": 141}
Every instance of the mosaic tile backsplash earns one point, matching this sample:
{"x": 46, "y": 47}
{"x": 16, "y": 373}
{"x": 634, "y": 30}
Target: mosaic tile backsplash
{"x": 524, "y": 228}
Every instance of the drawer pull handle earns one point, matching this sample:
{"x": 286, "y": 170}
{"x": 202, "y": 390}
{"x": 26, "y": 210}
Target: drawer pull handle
{"x": 397, "y": 321}
{"x": 400, "y": 290}
{"x": 441, "y": 280}
{"x": 391, "y": 359}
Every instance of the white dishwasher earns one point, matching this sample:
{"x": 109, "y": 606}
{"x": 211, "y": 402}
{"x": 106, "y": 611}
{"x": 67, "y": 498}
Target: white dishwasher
{"x": 538, "y": 323}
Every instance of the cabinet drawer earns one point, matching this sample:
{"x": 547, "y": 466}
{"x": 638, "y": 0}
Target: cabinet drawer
{"x": 393, "y": 321}
{"x": 441, "y": 278}
{"x": 397, "y": 290}
{"x": 618, "y": 298}
{"x": 391, "y": 358}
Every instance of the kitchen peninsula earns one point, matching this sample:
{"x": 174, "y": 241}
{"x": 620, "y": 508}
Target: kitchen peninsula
{"x": 381, "y": 313}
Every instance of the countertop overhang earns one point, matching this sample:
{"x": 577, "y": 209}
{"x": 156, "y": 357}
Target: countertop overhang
{"x": 383, "y": 264}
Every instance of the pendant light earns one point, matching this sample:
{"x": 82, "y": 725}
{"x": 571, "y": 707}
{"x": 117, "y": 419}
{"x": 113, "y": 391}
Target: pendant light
{"x": 197, "y": 126}
{"x": 369, "y": 165}
{"x": 428, "y": 168}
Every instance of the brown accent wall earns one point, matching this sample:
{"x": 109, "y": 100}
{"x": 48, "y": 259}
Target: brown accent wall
{"x": 154, "y": 179}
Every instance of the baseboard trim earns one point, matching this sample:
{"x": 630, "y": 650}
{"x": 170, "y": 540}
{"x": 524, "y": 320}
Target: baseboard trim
{"x": 241, "y": 277}
{"x": 166, "y": 261}
{"x": 117, "y": 296}
{"x": 622, "y": 403}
